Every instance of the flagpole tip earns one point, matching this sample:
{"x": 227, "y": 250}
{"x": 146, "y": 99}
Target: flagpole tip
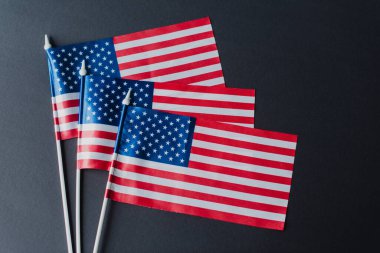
{"x": 82, "y": 70}
{"x": 47, "y": 42}
{"x": 127, "y": 99}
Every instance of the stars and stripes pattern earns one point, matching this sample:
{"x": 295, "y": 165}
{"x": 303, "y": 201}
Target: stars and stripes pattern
{"x": 64, "y": 65}
{"x": 102, "y": 103}
{"x": 182, "y": 53}
{"x": 208, "y": 169}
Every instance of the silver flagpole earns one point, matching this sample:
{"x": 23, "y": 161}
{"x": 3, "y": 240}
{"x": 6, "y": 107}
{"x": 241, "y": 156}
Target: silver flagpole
{"x": 126, "y": 102}
{"x": 82, "y": 73}
{"x": 62, "y": 179}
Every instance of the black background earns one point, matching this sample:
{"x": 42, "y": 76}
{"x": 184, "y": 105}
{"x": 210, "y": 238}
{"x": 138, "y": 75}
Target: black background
{"x": 315, "y": 67}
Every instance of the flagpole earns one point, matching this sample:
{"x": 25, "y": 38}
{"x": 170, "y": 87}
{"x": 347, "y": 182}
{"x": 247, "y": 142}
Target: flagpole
{"x": 62, "y": 180}
{"x": 126, "y": 102}
{"x": 82, "y": 73}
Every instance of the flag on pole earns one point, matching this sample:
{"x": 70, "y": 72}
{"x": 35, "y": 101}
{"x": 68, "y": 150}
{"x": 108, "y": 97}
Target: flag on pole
{"x": 194, "y": 166}
{"x": 182, "y": 53}
{"x": 102, "y": 104}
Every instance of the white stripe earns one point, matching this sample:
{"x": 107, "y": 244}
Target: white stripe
{"x": 99, "y": 127}
{"x": 65, "y": 97}
{"x": 240, "y": 165}
{"x": 203, "y": 109}
{"x": 204, "y": 96}
{"x": 64, "y": 112}
{"x": 240, "y": 124}
{"x": 197, "y": 203}
{"x": 96, "y": 141}
{"x": 66, "y": 126}
{"x": 242, "y": 151}
{"x": 210, "y": 82}
{"x": 171, "y": 63}
{"x": 164, "y": 51}
{"x": 245, "y": 137}
{"x": 185, "y": 74}
{"x": 163, "y": 37}
{"x": 204, "y": 174}
{"x": 94, "y": 156}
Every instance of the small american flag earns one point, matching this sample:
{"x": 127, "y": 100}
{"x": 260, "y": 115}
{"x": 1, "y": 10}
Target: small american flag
{"x": 203, "y": 168}
{"x": 102, "y": 103}
{"x": 182, "y": 53}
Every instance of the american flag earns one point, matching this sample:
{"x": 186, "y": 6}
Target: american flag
{"x": 182, "y": 53}
{"x": 203, "y": 168}
{"x": 102, "y": 103}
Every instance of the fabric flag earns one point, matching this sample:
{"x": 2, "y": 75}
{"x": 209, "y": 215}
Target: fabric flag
{"x": 203, "y": 168}
{"x": 182, "y": 53}
{"x": 102, "y": 103}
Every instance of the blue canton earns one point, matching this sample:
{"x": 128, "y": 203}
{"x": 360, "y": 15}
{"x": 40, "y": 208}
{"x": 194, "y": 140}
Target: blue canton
{"x": 65, "y": 63}
{"x": 156, "y": 136}
{"x": 102, "y": 98}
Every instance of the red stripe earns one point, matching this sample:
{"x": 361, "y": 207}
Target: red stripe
{"x": 239, "y": 173}
{"x": 65, "y": 135}
{"x": 247, "y": 131}
{"x": 203, "y": 102}
{"x": 201, "y": 181}
{"x": 98, "y": 134}
{"x": 198, "y": 78}
{"x": 66, "y": 104}
{"x": 95, "y": 148}
{"x": 244, "y": 144}
{"x": 93, "y": 164}
{"x": 242, "y": 158}
{"x": 164, "y": 44}
{"x": 167, "y": 57}
{"x": 218, "y": 89}
{"x": 161, "y": 30}
{"x": 202, "y": 212}
{"x": 66, "y": 119}
{"x": 175, "y": 69}
{"x": 217, "y": 117}
{"x": 197, "y": 195}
